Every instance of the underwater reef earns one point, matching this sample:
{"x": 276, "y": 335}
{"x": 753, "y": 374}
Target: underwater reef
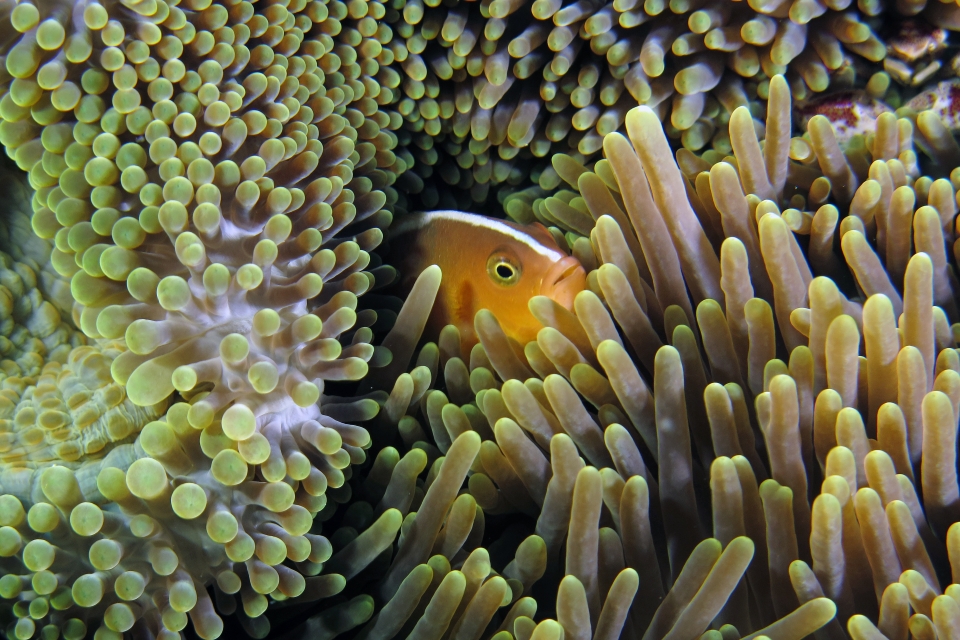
{"x": 218, "y": 418}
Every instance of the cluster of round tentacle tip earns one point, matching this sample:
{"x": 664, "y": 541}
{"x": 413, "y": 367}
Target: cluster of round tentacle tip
{"x": 78, "y": 563}
{"x": 216, "y": 223}
{"x": 485, "y": 89}
{"x": 248, "y": 326}
{"x": 19, "y": 243}
{"x": 32, "y": 331}
{"x": 70, "y": 561}
{"x": 256, "y": 401}
{"x": 112, "y": 125}
{"x": 34, "y": 559}
{"x": 68, "y": 413}
{"x": 197, "y": 187}
{"x": 310, "y": 455}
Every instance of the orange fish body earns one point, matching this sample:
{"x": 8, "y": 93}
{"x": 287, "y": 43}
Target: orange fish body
{"x": 486, "y": 263}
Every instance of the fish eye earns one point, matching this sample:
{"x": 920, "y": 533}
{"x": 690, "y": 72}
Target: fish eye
{"x": 503, "y": 270}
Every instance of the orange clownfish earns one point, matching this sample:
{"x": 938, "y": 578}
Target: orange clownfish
{"x": 487, "y": 263}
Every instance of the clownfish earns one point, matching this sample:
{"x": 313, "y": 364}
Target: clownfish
{"x": 487, "y": 263}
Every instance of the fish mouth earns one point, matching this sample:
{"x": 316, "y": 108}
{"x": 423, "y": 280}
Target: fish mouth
{"x": 563, "y": 281}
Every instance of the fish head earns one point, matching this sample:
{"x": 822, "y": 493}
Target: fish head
{"x": 487, "y": 263}
{"x": 519, "y": 271}
{"x": 563, "y": 281}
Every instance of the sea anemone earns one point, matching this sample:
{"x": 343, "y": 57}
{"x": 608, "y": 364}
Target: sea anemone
{"x": 709, "y": 412}
{"x": 484, "y": 88}
{"x": 212, "y": 178}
